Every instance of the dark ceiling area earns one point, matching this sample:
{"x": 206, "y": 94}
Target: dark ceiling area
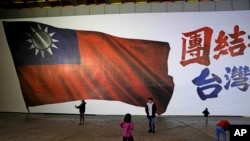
{"x": 21, "y": 4}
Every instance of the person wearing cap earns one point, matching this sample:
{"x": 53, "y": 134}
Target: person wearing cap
{"x": 81, "y": 108}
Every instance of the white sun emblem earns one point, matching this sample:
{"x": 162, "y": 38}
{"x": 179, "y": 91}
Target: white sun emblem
{"x": 41, "y": 40}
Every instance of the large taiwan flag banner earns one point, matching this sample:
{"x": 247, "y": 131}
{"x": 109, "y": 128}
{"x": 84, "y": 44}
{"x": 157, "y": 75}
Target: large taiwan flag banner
{"x": 57, "y": 65}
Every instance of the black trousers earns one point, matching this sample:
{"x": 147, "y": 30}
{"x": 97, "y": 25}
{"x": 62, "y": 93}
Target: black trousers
{"x": 128, "y": 138}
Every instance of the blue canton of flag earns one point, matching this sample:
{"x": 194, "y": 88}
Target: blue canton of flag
{"x": 37, "y": 44}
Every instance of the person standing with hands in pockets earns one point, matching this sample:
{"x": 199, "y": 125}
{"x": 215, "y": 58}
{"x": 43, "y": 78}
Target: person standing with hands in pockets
{"x": 151, "y": 109}
{"x": 128, "y": 126}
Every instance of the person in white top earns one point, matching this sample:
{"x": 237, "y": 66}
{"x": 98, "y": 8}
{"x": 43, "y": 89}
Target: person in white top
{"x": 151, "y": 109}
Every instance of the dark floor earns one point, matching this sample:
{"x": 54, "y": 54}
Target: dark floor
{"x": 59, "y": 127}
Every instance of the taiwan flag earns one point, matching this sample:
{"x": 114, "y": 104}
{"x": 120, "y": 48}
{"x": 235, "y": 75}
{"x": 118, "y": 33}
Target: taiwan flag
{"x": 57, "y": 65}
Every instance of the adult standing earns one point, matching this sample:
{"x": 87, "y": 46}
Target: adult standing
{"x": 151, "y": 109}
{"x": 81, "y": 108}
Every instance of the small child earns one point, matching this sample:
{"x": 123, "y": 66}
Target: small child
{"x": 206, "y": 113}
{"x": 128, "y": 127}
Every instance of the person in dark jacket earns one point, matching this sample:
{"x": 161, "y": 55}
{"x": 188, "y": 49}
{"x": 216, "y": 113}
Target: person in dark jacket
{"x": 151, "y": 109}
{"x": 81, "y": 108}
{"x": 206, "y": 113}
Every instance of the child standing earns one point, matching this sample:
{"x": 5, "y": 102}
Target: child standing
{"x": 128, "y": 127}
{"x": 206, "y": 113}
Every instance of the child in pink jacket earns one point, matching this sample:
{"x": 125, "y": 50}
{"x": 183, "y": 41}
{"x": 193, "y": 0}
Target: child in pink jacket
{"x": 128, "y": 128}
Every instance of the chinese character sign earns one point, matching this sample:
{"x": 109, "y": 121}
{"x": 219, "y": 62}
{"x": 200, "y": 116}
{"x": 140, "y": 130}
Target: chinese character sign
{"x": 196, "y": 45}
{"x": 184, "y": 61}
